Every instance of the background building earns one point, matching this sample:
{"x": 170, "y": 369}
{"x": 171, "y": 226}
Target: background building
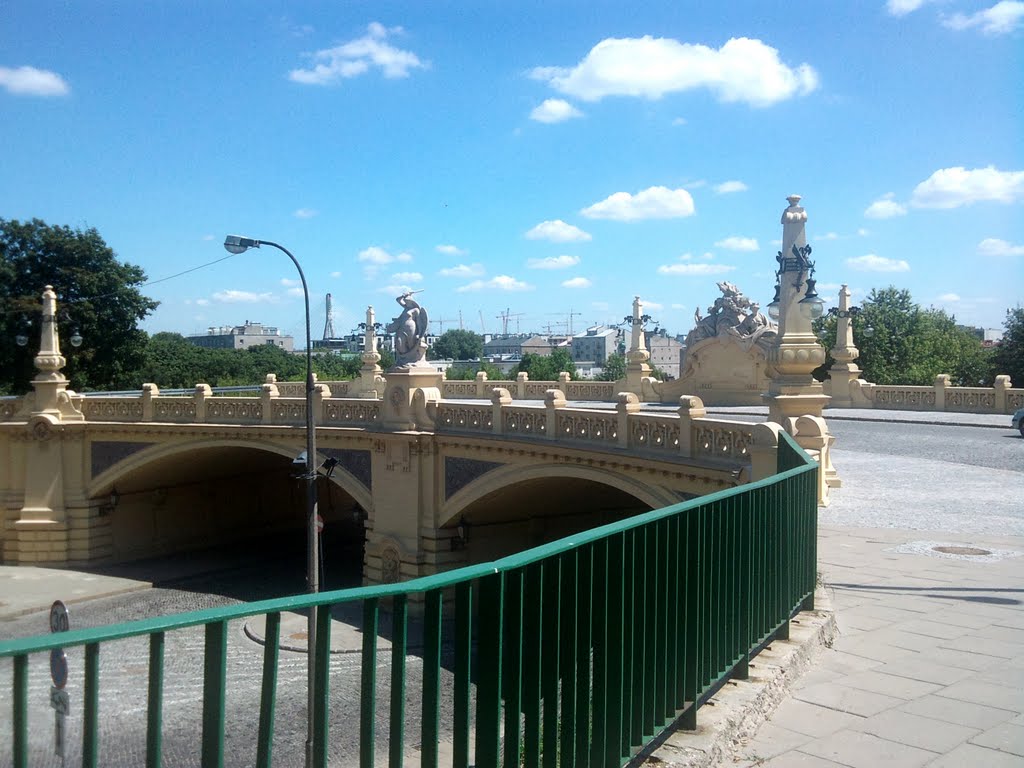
{"x": 242, "y": 337}
{"x": 595, "y": 344}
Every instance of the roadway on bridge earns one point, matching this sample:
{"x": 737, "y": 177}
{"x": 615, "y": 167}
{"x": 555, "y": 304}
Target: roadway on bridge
{"x": 903, "y": 484}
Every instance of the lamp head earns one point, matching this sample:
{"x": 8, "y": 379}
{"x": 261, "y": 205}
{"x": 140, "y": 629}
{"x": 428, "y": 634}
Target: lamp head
{"x": 76, "y": 339}
{"x": 237, "y": 244}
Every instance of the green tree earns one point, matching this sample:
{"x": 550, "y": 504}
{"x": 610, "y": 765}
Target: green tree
{"x": 1008, "y": 357}
{"x": 469, "y": 372}
{"x": 97, "y": 295}
{"x": 546, "y": 367}
{"x": 614, "y": 367}
{"x": 457, "y": 344}
{"x": 901, "y": 343}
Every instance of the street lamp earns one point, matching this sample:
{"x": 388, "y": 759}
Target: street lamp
{"x": 235, "y": 244}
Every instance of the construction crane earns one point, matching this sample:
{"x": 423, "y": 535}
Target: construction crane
{"x": 442, "y": 320}
{"x": 568, "y": 318}
{"x": 329, "y": 325}
{"x": 505, "y": 317}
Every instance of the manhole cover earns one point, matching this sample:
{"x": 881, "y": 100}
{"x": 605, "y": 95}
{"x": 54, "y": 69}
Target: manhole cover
{"x": 950, "y": 550}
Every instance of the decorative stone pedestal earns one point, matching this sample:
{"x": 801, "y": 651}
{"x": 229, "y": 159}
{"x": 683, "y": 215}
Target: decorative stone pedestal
{"x": 408, "y": 397}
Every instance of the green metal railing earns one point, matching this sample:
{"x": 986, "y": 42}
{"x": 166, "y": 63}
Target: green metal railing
{"x": 575, "y": 653}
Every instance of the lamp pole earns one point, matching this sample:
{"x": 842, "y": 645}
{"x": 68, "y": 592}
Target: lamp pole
{"x": 236, "y": 244}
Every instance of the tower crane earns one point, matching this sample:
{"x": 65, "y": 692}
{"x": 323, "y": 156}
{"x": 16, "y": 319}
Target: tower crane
{"x": 505, "y": 317}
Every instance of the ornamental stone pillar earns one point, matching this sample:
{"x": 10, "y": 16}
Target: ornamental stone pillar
{"x": 844, "y": 371}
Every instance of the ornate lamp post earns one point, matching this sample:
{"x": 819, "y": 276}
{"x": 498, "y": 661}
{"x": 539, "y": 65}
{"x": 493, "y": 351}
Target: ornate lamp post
{"x": 235, "y": 244}
{"x": 370, "y": 374}
{"x": 844, "y": 352}
{"x": 638, "y": 355}
{"x": 793, "y": 391}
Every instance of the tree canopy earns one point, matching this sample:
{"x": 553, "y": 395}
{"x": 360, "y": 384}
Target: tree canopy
{"x": 1008, "y": 357}
{"x": 457, "y": 344}
{"x": 908, "y": 344}
{"x": 546, "y": 367}
{"x": 97, "y": 295}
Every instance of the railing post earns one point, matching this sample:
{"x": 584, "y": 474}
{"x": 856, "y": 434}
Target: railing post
{"x": 521, "y": 379}
{"x": 1001, "y": 384}
{"x": 199, "y": 397}
{"x": 764, "y": 450}
{"x": 941, "y": 383}
{"x": 268, "y": 392}
{"x": 813, "y": 436}
{"x": 149, "y": 391}
{"x": 563, "y": 382}
{"x": 321, "y": 392}
{"x": 499, "y": 399}
{"x": 553, "y": 400}
{"x": 691, "y": 407}
{"x": 627, "y": 403}
{"x": 481, "y": 383}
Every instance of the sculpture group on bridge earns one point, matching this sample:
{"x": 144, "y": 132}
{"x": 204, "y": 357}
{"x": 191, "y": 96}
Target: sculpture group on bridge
{"x": 410, "y": 329}
{"x": 735, "y": 315}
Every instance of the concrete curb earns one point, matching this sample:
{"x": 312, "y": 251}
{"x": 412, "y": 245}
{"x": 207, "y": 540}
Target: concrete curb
{"x": 832, "y": 415}
{"x": 740, "y": 707}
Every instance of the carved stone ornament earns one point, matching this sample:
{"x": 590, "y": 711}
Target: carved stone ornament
{"x": 390, "y": 565}
{"x": 397, "y": 396}
{"x": 733, "y": 315}
{"x": 42, "y": 430}
{"x": 410, "y": 329}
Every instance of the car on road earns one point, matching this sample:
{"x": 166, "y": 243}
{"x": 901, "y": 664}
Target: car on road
{"x": 1018, "y": 421}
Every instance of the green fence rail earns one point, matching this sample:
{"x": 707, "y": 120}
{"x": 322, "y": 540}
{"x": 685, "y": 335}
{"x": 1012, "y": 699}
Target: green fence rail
{"x": 575, "y": 653}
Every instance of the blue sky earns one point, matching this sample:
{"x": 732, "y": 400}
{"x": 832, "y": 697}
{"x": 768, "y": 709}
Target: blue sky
{"x": 540, "y": 158}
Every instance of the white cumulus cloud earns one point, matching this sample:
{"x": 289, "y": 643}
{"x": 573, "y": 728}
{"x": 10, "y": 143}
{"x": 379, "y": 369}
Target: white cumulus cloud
{"x": 407, "y": 277}
{"x": 357, "y": 57}
{"x": 651, "y": 203}
{"x": 727, "y": 187}
{"x": 993, "y": 246}
{"x": 742, "y": 70}
{"x": 557, "y": 231}
{"x": 463, "y": 270}
{"x": 554, "y": 111}
{"x": 232, "y": 296}
{"x": 576, "y": 282}
{"x": 954, "y": 187}
{"x": 949, "y": 297}
{"x": 499, "y": 283}
{"x": 288, "y": 282}
{"x": 377, "y": 255}
{"x": 872, "y": 263}
{"x": 336, "y": 274}
{"x": 305, "y": 213}
{"x": 885, "y": 208}
{"x": 685, "y": 269}
{"x": 1001, "y": 19}
{"x": 903, "y": 7}
{"x": 738, "y": 244}
{"x": 553, "y": 262}
{"x": 449, "y": 250}
{"x": 29, "y": 81}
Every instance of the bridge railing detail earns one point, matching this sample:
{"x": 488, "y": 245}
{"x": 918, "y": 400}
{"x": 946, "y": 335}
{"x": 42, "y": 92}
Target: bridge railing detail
{"x": 683, "y": 433}
{"x": 940, "y": 396}
{"x": 521, "y": 388}
{"x": 577, "y": 652}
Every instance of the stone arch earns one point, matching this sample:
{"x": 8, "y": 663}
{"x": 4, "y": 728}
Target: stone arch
{"x": 509, "y": 475}
{"x": 102, "y": 484}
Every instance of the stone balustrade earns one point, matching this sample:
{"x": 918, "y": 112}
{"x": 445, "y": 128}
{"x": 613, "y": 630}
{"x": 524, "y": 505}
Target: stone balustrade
{"x": 685, "y": 433}
{"x": 1000, "y": 398}
{"x": 521, "y": 388}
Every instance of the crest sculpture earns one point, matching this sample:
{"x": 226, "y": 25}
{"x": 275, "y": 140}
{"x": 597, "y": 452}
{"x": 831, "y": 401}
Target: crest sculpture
{"x": 410, "y": 329}
{"x": 726, "y": 359}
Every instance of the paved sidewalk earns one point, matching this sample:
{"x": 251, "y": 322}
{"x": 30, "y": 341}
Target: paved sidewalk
{"x": 928, "y": 669}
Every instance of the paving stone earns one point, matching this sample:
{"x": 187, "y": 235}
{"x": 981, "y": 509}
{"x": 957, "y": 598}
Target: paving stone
{"x": 811, "y": 719}
{"x": 846, "y": 699}
{"x": 917, "y": 731}
{"x": 1005, "y": 737}
{"x": 799, "y": 760}
{"x": 891, "y": 685}
{"x": 973, "y": 756}
{"x": 985, "y": 693}
{"x": 846, "y": 663}
{"x": 772, "y": 740}
{"x": 925, "y": 670}
{"x": 957, "y": 712}
{"x": 976, "y": 644}
{"x": 933, "y": 629}
{"x": 964, "y": 659}
{"x": 863, "y": 750}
